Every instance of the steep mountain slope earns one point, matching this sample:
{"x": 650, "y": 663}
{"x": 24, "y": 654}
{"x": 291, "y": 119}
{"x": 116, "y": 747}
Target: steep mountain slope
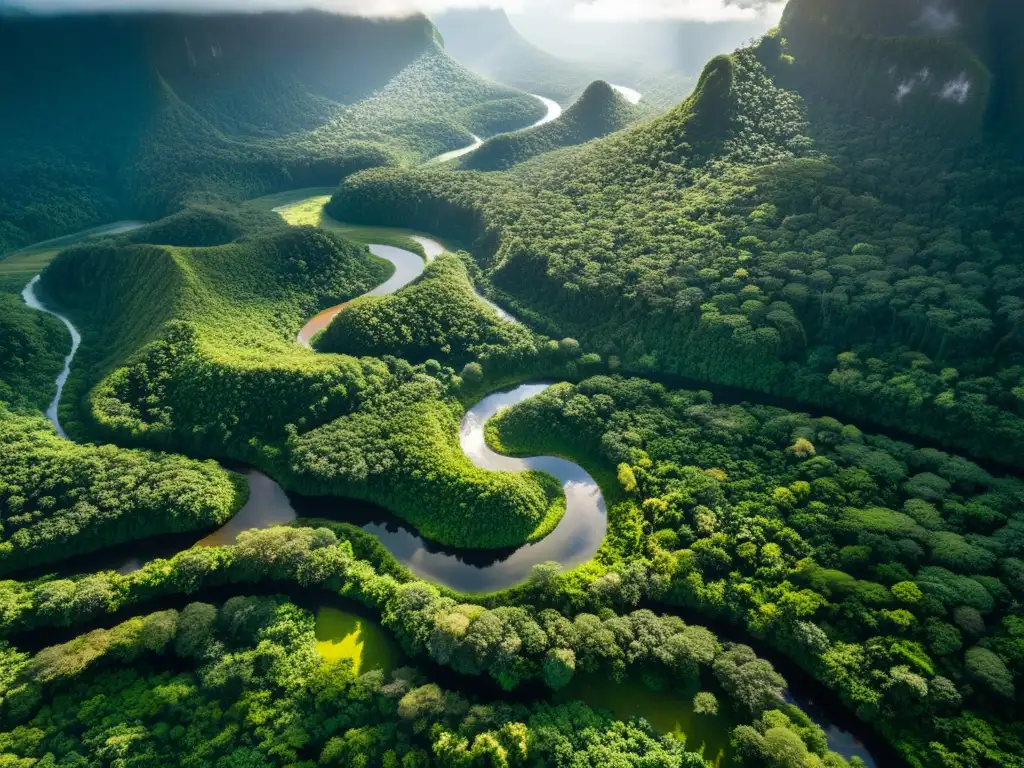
{"x": 949, "y": 64}
{"x": 598, "y": 112}
{"x": 485, "y": 40}
{"x": 144, "y": 113}
{"x": 767, "y": 237}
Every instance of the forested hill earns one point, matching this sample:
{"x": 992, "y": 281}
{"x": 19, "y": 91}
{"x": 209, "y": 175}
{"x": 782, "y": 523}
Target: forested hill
{"x": 953, "y": 64}
{"x": 598, "y": 112}
{"x": 146, "y": 112}
{"x": 770, "y": 236}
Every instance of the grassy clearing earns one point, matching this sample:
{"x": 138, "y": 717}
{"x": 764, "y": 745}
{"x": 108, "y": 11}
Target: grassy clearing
{"x": 17, "y": 270}
{"x": 305, "y": 207}
{"x": 342, "y": 635}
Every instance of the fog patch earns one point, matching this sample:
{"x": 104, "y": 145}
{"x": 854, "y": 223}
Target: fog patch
{"x": 957, "y": 89}
{"x": 682, "y": 10}
{"x": 911, "y": 84}
{"x": 939, "y": 18}
{"x": 592, "y": 10}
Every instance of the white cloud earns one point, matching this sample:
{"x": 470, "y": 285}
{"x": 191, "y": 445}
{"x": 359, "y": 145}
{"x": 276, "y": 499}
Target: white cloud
{"x": 938, "y": 18}
{"x": 384, "y": 8}
{"x": 958, "y": 89}
{"x": 597, "y": 10}
{"x": 686, "y": 10}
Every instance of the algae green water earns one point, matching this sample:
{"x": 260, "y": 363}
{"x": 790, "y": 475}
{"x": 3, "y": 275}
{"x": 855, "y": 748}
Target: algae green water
{"x": 670, "y": 712}
{"x": 343, "y": 635}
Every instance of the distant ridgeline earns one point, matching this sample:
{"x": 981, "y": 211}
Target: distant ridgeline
{"x": 950, "y": 63}
{"x": 485, "y": 40}
{"x": 108, "y": 116}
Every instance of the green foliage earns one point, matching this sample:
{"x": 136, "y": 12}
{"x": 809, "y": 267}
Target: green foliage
{"x": 598, "y": 112}
{"x": 235, "y": 646}
{"x": 197, "y": 338}
{"x": 441, "y": 318}
{"x": 501, "y": 115}
{"x": 990, "y": 672}
{"x": 401, "y": 450}
{"x": 250, "y": 105}
{"x": 798, "y": 227}
{"x": 261, "y": 697}
{"x": 30, "y": 352}
{"x": 59, "y": 499}
{"x": 202, "y": 225}
{"x": 223, "y": 377}
{"x": 803, "y": 549}
{"x": 756, "y": 237}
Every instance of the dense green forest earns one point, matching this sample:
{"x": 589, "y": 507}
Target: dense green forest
{"x": 832, "y": 221}
{"x": 598, "y": 112}
{"x": 192, "y": 109}
{"x": 191, "y": 364}
{"x": 512, "y": 645}
{"x": 760, "y": 237}
{"x": 241, "y": 684}
{"x": 438, "y": 318}
{"x": 895, "y": 574}
{"x": 59, "y": 499}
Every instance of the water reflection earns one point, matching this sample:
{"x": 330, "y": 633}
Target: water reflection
{"x": 408, "y": 266}
{"x": 840, "y": 741}
{"x": 268, "y": 505}
{"x": 573, "y": 542}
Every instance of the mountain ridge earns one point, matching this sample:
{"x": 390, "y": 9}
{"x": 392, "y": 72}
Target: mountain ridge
{"x": 149, "y": 112}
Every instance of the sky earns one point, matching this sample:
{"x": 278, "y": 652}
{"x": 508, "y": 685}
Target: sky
{"x": 590, "y": 10}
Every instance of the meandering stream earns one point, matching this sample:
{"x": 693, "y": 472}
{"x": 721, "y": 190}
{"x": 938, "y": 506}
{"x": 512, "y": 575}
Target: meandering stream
{"x": 574, "y": 541}
{"x": 30, "y": 298}
{"x": 631, "y": 95}
{"x": 553, "y": 113}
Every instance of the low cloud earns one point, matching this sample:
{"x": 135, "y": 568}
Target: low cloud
{"x": 939, "y": 18}
{"x": 594, "y": 10}
{"x": 685, "y": 10}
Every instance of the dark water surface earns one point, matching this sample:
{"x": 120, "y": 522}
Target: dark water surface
{"x": 573, "y": 542}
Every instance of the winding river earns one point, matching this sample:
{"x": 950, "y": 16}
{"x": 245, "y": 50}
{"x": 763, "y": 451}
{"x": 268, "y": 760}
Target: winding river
{"x": 30, "y": 298}
{"x": 573, "y": 542}
{"x": 631, "y": 95}
{"x": 553, "y": 113}
{"x": 408, "y": 266}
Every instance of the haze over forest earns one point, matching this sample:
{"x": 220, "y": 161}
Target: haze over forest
{"x": 582, "y": 383}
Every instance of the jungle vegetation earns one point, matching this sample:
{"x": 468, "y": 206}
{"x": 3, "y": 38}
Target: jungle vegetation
{"x": 805, "y": 226}
{"x": 761, "y": 237}
{"x": 59, "y": 499}
{"x": 438, "y": 318}
{"x": 598, "y": 112}
{"x": 894, "y": 574}
{"x": 512, "y": 645}
{"x": 241, "y": 684}
{"x": 190, "y": 363}
{"x": 247, "y": 105}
